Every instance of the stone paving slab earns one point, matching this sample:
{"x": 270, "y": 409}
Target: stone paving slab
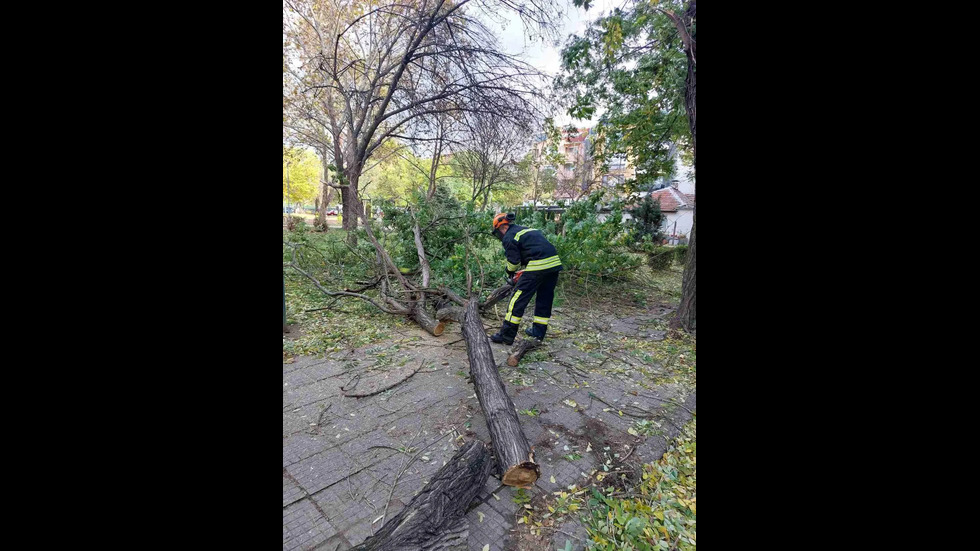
{"x": 341, "y": 455}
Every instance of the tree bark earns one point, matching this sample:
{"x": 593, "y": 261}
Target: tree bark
{"x": 450, "y": 312}
{"x": 515, "y": 459}
{"x": 496, "y": 296}
{"x": 521, "y": 348}
{"x": 421, "y": 317}
{"x": 352, "y": 206}
{"x": 325, "y": 192}
{"x": 686, "y": 312}
{"x": 435, "y": 518}
{"x": 455, "y": 313}
{"x": 423, "y": 261}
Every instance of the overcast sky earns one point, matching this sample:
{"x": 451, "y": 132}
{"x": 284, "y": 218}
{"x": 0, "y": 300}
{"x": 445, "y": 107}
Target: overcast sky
{"x": 547, "y": 57}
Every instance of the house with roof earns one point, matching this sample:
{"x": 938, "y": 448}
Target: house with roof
{"x": 678, "y": 208}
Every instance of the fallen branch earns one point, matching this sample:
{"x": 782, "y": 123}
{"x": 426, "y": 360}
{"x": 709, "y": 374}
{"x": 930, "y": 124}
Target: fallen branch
{"x": 389, "y": 387}
{"x": 496, "y": 296}
{"x": 453, "y": 313}
{"x": 326, "y": 291}
{"x": 520, "y": 349}
{"x": 421, "y": 317}
{"x": 452, "y": 296}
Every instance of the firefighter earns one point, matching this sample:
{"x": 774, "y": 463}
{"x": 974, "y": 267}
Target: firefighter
{"x": 530, "y": 248}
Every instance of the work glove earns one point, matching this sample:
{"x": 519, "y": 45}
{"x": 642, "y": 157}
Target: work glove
{"x": 511, "y": 282}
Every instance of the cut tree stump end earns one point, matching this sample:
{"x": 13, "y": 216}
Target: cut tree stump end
{"x": 523, "y": 475}
{"x": 521, "y": 348}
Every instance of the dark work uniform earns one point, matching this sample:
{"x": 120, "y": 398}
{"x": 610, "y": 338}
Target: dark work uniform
{"x": 526, "y": 246}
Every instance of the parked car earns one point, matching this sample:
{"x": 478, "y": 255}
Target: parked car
{"x": 333, "y": 211}
{"x": 288, "y": 210}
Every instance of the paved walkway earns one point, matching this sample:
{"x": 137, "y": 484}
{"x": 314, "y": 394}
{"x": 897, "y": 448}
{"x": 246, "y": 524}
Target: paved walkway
{"x": 348, "y": 463}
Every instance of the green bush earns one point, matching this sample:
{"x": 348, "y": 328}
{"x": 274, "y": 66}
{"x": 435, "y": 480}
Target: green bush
{"x": 585, "y": 244}
{"x": 660, "y": 258}
{"x": 681, "y": 254}
{"x": 446, "y": 225}
{"x": 296, "y": 224}
{"x": 647, "y": 220}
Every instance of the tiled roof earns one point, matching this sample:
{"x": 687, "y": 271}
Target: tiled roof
{"x": 672, "y": 200}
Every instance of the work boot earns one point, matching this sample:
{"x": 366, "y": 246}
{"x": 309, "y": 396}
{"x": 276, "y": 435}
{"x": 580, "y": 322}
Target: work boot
{"x": 506, "y": 334}
{"x": 537, "y": 331}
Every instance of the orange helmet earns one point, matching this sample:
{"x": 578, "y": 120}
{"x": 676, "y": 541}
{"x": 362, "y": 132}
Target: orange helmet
{"x": 499, "y": 220}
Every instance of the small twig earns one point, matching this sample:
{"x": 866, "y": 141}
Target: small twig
{"x": 629, "y": 454}
{"x": 561, "y": 532}
{"x": 354, "y": 380}
{"x": 650, "y": 414}
{"x": 389, "y": 411}
{"x": 379, "y": 391}
{"x": 669, "y": 401}
{"x": 399, "y": 475}
{"x": 388, "y": 448}
{"x": 557, "y": 382}
{"x": 319, "y": 420}
{"x": 407, "y": 465}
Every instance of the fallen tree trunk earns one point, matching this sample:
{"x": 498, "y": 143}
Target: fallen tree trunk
{"x": 421, "y": 317}
{"x": 450, "y": 312}
{"x": 434, "y": 519}
{"x": 496, "y": 296}
{"x": 520, "y": 349}
{"x": 515, "y": 459}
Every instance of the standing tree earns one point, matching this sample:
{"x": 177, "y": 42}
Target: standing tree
{"x": 488, "y": 160}
{"x": 302, "y": 170}
{"x": 539, "y": 165}
{"x": 647, "y": 219}
{"x": 392, "y": 64}
{"x": 640, "y": 65}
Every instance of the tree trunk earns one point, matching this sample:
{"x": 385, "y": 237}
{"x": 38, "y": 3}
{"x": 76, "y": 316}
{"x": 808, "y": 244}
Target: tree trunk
{"x": 686, "y": 313}
{"x": 450, "y": 312}
{"x": 455, "y": 313}
{"x": 434, "y": 167}
{"x": 515, "y": 459}
{"x": 520, "y": 349}
{"x": 423, "y": 261}
{"x": 421, "y": 317}
{"x": 352, "y": 207}
{"x": 325, "y": 192}
{"x": 435, "y": 518}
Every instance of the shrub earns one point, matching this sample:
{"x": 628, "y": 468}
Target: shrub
{"x": 647, "y": 220}
{"x": 681, "y": 254}
{"x": 296, "y": 224}
{"x": 660, "y": 258}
